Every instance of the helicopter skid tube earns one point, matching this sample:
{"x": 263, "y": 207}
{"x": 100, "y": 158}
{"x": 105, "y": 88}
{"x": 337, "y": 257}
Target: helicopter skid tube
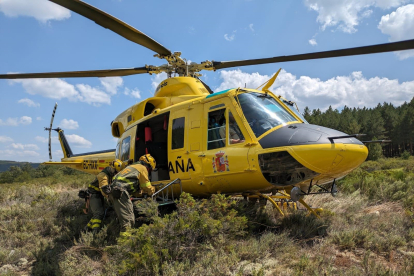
{"x": 273, "y": 202}
{"x": 276, "y": 201}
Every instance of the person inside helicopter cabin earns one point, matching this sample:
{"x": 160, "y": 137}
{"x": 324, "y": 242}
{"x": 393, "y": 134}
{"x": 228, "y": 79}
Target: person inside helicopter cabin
{"x": 128, "y": 181}
{"x": 95, "y": 200}
{"x": 235, "y": 135}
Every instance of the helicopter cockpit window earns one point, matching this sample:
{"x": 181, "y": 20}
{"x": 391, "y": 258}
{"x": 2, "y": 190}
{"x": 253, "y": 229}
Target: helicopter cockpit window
{"x": 263, "y": 112}
{"x": 177, "y": 134}
{"x": 234, "y": 132}
{"x": 216, "y": 133}
{"x": 117, "y": 151}
{"x": 292, "y": 106}
{"x": 125, "y": 149}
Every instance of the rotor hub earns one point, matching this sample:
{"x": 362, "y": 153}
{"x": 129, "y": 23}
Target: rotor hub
{"x": 178, "y": 65}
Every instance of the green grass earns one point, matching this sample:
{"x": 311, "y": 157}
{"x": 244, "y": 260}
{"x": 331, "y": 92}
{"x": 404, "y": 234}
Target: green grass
{"x": 367, "y": 230}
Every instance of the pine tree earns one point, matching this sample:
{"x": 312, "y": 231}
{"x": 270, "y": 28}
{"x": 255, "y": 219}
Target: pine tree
{"x": 375, "y": 126}
{"x": 383, "y": 121}
{"x": 307, "y": 115}
{"x": 374, "y": 151}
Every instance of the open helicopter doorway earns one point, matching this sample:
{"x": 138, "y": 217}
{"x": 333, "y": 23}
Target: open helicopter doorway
{"x": 152, "y": 138}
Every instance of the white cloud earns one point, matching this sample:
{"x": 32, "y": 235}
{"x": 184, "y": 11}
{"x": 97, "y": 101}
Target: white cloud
{"x": 313, "y": 42}
{"x": 39, "y": 118}
{"x": 346, "y": 15}
{"x": 50, "y": 88}
{"x": 41, "y": 139}
{"x": 14, "y": 153}
{"x": 229, "y": 37}
{"x": 24, "y": 147}
{"x": 68, "y": 124}
{"x": 9, "y": 122}
{"x": 42, "y": 10}
{"x": 28, "y": 102}
{"x": 24, "y": 120}
{"x": 156, "y": 79}
{"x": 135, "y": 93}
{"x": 55, "y": 139}
{"x": 30, "y": 153}
{"x": 5, "y": 139}
{"x": 57, "y": 154}
{"x": 111, "y": 84}
{"x": 58, "y": 89}
{"x": 399, "y": 25}
{"x": 354, "y": 90}
{"x": 7, "y": 152}
{"x": 93, "y": 95}
{"x": 78, "y": 141}
{"x": 251, "y": 27}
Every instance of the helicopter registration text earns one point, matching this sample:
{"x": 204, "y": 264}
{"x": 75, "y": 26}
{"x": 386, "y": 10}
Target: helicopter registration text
{"x": 90, "y": 164}
{"x": 161, "y": 85}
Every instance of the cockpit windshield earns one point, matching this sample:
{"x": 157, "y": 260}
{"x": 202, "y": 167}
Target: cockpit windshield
{"x": 263, "y": 112}
{"x": 292, "y": 106}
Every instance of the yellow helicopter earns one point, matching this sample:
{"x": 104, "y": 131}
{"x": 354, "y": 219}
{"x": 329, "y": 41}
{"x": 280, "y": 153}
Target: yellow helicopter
{"x": 241, "y": 141}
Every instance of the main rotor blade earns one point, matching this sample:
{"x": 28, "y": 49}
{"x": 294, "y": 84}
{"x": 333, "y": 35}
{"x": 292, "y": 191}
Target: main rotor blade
{"x": 114, "y": 24}
{"x": 380, "y": 48}
{"x": 79, "y": 74}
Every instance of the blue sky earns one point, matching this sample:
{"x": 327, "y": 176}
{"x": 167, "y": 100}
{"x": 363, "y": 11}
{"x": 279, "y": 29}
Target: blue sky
{"x": 39, "y": 36}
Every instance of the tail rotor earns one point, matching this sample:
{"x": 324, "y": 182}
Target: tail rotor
{"x": 50, "y": 131}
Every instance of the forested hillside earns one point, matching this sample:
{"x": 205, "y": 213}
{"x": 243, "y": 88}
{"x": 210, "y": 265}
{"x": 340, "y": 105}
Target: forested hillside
{"x": 26, "y": 173}
{"x": 385, "y": 121}
{"x": 5, "y": 165}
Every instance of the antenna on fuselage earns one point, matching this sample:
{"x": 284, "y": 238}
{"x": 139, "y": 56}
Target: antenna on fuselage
{"x": 269, "y": 82}
{"x": 50, "y": 131}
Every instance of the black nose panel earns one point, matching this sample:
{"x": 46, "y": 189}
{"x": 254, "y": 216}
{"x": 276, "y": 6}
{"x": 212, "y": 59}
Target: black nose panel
{"x": 304, "y": 134}
{"x": 281, "y": 169}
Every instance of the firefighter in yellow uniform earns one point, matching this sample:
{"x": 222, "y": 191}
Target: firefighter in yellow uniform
{"x": 126, "y": 182}
{"x": 96, "y": 200}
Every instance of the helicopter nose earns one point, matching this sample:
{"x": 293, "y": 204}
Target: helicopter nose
{"x": 318, "y": 148}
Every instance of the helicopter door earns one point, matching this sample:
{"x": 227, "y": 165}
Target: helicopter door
{"x": 195, "y": 149}
{"x": 152, "y": 137}
{"x": 177, "y": 145}
{"x": 225, "y": 152}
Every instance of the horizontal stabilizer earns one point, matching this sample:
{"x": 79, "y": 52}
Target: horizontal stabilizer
{"x": 74, "y": 164}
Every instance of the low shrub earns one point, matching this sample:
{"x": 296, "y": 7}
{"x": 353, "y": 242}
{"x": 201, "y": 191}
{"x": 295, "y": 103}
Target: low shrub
{"x": 303, "y": 227}
{"x": 396, "y": 183}
{"x": 366, "y": 230}
{"x": 405, "y": 155}
{"x": 182, "y": 235}
{"x": 353, "y": 238}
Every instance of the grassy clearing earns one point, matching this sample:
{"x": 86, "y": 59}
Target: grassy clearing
{"x": 367, "y": 230}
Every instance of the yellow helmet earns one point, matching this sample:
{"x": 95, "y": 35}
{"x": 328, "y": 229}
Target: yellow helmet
{"x": 147, "y": 158}
{"x": 118, "y": 165}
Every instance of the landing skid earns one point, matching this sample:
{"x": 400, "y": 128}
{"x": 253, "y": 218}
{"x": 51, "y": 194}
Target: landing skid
{"x": 282, "y": 200}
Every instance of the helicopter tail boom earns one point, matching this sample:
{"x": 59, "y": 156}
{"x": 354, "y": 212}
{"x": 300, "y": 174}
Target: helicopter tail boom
{"x": 90, "y": 162}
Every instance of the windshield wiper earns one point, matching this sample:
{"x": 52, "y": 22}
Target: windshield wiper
{"x": 264, "y": 96}
{"x": 288, "y": 102}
